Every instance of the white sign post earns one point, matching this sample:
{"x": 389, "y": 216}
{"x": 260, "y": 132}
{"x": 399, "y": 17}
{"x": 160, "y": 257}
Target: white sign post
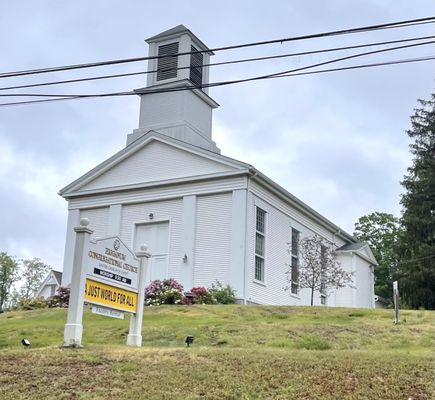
{"x": 134, "y": 337}
{"x": 74, "y": 329}
{"x": 106, "y": 274}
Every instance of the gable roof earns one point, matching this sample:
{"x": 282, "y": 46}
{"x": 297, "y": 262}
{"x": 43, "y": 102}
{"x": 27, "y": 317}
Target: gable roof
{"x": 361, "y": 249}
{"x": 235, "y": 168}
{"x": 177, "y": 31}
{"x": 211, "y": 163}
{"x": 353, "y": 246}
{"x": 53, "y": 275}
{"x": 58, "y": 276}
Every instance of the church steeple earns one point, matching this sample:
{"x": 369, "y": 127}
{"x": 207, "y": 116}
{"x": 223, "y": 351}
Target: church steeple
{"x": 185, "y": 110}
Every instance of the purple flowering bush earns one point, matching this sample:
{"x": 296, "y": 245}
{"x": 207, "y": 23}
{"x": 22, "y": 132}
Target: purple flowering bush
{"x": 167, "y": 291}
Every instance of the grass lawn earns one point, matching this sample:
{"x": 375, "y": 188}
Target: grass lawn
{"x": 239, "y": 352}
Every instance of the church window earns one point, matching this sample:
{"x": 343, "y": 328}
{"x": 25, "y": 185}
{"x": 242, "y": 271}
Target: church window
{"x": 295, "y": 261}
{"x": 260, "y": 230}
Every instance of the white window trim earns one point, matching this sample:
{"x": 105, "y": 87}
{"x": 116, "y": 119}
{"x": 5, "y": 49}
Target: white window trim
{"x": 324, "y": 292}
{"x": 297, "y": 256}
{"x": 263, "y": 257}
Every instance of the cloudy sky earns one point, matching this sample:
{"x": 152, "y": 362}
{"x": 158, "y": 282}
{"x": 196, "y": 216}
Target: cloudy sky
{"x": 337, "y": 141}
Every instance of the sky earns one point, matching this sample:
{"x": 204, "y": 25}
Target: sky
{"x": 337, "y": 141}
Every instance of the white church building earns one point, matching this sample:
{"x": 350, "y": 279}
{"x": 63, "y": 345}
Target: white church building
{"x": 205, "y": 217}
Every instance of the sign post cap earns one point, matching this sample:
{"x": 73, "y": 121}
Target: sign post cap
{"x": 84, "y": 222}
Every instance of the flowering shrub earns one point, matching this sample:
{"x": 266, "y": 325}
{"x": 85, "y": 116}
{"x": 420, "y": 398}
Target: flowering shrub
{"x": 168, "y": 291}
{"x": 31, "y": 304}
{"x": 60, "y": 299}
{"x": 222, "y": 294}
{"x": 201, "y": 296}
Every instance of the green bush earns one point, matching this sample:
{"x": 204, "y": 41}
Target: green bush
{"x": 222, "y": 294}
{"x": 32, "y": 304}
{"x": 60, "y": 299}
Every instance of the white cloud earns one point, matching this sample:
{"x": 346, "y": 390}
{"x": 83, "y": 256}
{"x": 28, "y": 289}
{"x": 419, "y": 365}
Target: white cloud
{"x": 336, "y": 140}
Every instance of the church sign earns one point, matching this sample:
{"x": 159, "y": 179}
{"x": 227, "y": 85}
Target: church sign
{"x": 112, "y": 262}
{"x": 110, "y": 296}
{"x": 106, "y": 274}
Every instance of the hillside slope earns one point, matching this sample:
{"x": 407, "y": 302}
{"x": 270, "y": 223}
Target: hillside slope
{"x": 251, "y": 352}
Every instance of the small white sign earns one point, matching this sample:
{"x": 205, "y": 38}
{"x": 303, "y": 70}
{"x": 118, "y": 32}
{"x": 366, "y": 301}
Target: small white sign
{"x": 111, "y": 261}
{"x": 107, "y": 312}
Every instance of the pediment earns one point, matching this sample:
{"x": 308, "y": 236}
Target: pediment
{"x": 152, "y": 159}
{"x": 367, "y": 252}
{"x": 51, "y": 281}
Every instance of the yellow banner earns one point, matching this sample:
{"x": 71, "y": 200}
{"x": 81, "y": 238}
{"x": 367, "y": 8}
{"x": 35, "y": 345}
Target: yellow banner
{"x": 110, "y": 296}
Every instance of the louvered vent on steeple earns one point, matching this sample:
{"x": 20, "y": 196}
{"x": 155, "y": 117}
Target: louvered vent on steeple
{"x": 168, "y": 64}
{"x": 196, "y": 61}
{"x": 175, "y": 101}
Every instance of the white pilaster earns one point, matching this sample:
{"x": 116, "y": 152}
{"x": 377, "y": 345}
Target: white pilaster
{"x": 134, "y": 337}
{"x": 238, "y": 239}
{"x": 152, "y": 64}
{"x": 73, "y": 220}
{"x": 73, "y": 328}
{"x": 249, "y": 267}
{"x": 187, "y": 258}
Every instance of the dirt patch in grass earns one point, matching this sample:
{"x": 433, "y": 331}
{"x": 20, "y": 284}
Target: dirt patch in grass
{"x": 239, "y": 352}
{"x": 101, "y": 373}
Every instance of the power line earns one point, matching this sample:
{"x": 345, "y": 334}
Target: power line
{"x": 416, "y": 259}
{"x": 260, "y": 77}
{"x": 390, "y": 25}
{"x": 394, "y": 62}
{"x": 379, "y": 64}
{"x": 327, "y": 50}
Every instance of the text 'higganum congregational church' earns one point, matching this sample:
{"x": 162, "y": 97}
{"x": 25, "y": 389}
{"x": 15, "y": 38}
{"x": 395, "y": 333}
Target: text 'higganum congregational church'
{"x": 205, "y": 217}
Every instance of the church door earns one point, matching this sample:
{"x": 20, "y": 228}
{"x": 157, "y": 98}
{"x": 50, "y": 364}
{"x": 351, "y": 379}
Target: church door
{"x": 156, "y": 237}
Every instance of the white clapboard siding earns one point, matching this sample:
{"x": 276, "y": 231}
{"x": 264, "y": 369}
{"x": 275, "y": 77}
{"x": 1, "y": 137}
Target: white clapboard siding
{"x": 168, "y": 210}
{"x": 277, "y": 237}
{"x": 183, "y": 109}
{"x": 345, "y": 297}
{"x": 364, "y": 290}
{"x": 98, "y": 220}
{"x": 293, "y": 213}
{"x": 279, "y": 221}
{"x": 156, "y": 161}
{"x": 159, "y": 193}
{"x": 213, "y": 236}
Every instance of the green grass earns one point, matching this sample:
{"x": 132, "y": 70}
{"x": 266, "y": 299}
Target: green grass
{"x": 239, "y": 352}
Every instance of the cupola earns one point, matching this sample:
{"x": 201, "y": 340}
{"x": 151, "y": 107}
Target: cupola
{"x": 175, "y": 101}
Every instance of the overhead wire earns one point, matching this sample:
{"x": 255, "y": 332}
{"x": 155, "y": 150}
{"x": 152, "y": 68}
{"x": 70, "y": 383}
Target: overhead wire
{"x": 416, "y": 259}
{"x": 394, "y": 62}
{"x": 255, "y": 78}
{"x": 391, "y": 25}
{"x": 327, "y": 50}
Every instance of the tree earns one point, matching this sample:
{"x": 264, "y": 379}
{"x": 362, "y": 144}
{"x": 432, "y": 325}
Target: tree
{"x": 381, "y": 232}
{"x": 319, "y": 270}
{"x": 417, "y": 243}
{"x": 33, "y": 272}
{"x": 8, "y": 275}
